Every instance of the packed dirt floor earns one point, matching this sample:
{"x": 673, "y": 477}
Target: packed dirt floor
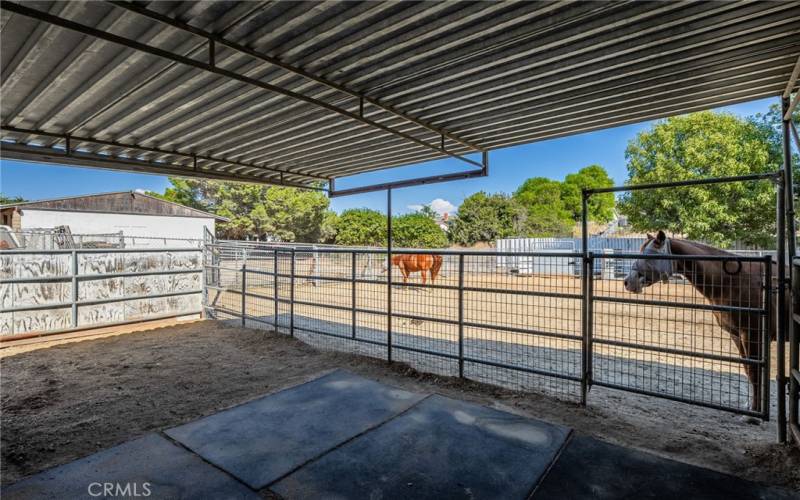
{"x": 69, "y": 400}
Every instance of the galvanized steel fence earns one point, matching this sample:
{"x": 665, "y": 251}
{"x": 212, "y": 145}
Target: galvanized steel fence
{"x": 547, "y": 328}
{"x": 55, "y": 291}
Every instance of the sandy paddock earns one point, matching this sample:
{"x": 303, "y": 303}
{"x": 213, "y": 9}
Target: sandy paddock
{"x": 66, "y": 401}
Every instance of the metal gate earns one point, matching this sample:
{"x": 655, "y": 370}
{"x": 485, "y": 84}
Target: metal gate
{"x": 675, "y": 343}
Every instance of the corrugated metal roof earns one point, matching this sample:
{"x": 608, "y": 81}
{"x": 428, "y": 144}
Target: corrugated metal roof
{"x": 282, "y": 99}
{"x": 122, "y": 202}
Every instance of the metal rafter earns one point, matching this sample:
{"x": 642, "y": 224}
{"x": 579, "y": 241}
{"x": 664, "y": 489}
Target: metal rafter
{"x": 71, "y": 140}
{"x": 218, "y": 40}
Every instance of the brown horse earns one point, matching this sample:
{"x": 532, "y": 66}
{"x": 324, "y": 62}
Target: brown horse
{"x": 409, "y": 263}
{"x": 723, "y": 283}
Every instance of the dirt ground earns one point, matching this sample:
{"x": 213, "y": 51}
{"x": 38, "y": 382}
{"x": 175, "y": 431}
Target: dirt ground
{"x": 67, "y": 401}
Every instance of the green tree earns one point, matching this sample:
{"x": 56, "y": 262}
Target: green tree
{"x": 417, "y": 231}
{"x": 8, "y": 200}
{"x": 254, "y": 210}
{"x": 195, "y": 193}
{"x": 486, "y": 217}
{"x": 329, "y": 226}
{"x": 601, "y": 206}
{"x": 696, "y": 146}
{"x": 546, "y": 213}
{"x": 361, "y": 226}
{"x": 427, "y": 211}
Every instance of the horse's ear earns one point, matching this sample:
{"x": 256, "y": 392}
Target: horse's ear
{"x": 650, "y": 236}
{"x": 661, "y": 237}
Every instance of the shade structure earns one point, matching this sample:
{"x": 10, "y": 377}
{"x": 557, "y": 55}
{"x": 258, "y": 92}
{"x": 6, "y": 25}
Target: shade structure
{"x": 303, "y": 93}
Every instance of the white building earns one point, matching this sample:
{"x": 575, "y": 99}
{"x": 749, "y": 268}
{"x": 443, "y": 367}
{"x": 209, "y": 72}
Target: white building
{"x": 132, "y": 213}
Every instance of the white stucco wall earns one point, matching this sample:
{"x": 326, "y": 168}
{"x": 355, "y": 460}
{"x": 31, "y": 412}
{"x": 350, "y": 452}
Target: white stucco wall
{"x": 131, "y": 225}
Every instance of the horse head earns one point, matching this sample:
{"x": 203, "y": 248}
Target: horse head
{"x": 644, "y": 272}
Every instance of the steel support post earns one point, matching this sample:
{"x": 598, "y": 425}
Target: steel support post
{"x": 291, "y": 294}
{"x": 780, "y": 358}
{"x": 461, "y": 315}
{"x": 353, "y": 294}
{"x": 275, "y": 286}
{"x": 389, "y": 274}
{"x": 791, "y": 244}
{"x": 769, "y": 314}
{"x": 244, "y": 286}
{"x": 585, "y": 277}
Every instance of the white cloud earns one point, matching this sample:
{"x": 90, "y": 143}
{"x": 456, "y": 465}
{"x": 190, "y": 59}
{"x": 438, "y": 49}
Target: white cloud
{"x": 441, "y": 206}
{"x": 140, "y": 191}
{"x": 438, "y": 205}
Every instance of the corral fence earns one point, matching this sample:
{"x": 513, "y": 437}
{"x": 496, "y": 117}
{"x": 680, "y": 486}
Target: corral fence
{"x": 549, "y": 329}
{"x": 558, "y": 318}
{"x": 56, "y": 291}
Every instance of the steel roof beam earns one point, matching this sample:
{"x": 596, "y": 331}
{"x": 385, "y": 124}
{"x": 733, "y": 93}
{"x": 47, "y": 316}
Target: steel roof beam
{"x": 24, "y": 152}
{"x": 289, "y": 68}
{"x": 147, "y": 149}
{"x": 482, "y": 172}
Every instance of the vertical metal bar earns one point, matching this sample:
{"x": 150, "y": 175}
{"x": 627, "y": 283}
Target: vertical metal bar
{"x": 389, "y": 274}
{"x": 244, "y": 285}
{"x": 275, "y": 285}
{"x": 75, "y": 288}
{"x": 794, "y": 362}
{"x": 585, "y": 276}
{"x": 589, "y": 320}
{"x": 291, "y": 294}
{"x": 791, "y": 244}
{"x": 461, "y": 315}
{"x": 780, "y": 378}
{"x": 353, "y": 294}
{"x": 203, "y": 276}
{"x": 766, "y": 334}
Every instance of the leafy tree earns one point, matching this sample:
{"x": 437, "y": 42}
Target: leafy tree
{"x": 601, "y": 206}
{"x": 361, "y": 226}
{"x": 329, "y": 226}
{"x": 703, "y": 145}
{"x": 284, "y": 213}
{"x": 417, "y": 231}
{"x": 427, "y": 211}
{"x": 195, "y": 193}
{"x": 8, "y": 200}
{"x": 486, "y": 217}
{"x": 546, "y": 213}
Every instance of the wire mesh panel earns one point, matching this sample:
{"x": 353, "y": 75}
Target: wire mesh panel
{"x": 523, "y": 330}
{"x": 698, "y": 337}
{"x": 696, "y": 331}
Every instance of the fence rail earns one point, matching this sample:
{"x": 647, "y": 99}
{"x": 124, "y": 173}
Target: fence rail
{"x": 55, "y": 291}
{"x": 545, "y": 330}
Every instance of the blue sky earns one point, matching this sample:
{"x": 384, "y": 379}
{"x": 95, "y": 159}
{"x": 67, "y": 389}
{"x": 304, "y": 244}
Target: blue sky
{"x": 509, "y": 167}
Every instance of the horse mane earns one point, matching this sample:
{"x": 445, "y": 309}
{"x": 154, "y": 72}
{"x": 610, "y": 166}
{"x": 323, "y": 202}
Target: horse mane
{"x": 703, "y": 248}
